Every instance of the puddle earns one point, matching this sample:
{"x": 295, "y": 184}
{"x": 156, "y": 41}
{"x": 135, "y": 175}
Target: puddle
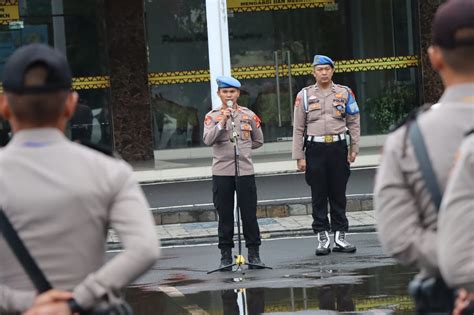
{"x": 380, "y": 290}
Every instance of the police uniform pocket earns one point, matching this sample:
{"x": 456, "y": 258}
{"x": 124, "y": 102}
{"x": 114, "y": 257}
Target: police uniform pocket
{"x": 339, "y": 108}
{"x": 245, "y": 131}
{"x": 314, "y": 111}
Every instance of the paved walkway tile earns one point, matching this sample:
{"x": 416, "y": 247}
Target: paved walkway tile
{"x": 176, "y": 233}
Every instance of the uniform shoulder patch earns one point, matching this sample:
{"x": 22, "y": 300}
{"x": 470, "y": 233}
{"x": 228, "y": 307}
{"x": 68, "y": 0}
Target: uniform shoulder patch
{"x": 352, "y": 107}
{"x": 257, "y": 120}
{"x": 207, "y": 120}
{"x": 298, "y": 100}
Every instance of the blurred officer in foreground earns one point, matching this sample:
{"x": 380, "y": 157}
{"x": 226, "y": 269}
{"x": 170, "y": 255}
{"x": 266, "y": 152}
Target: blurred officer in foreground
{"x": 218, "y": 134}
{"x": 62, "y": 197}
{"x": 323, "y": 113}
{"x": 455, "y": 226}
{"x": 406, "y": 207}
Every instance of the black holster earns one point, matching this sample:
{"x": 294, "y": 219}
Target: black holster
{"x": 432, "y": 296}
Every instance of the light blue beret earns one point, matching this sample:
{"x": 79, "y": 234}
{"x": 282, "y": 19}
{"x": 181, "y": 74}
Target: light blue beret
{"x": 227, "y": 82}
{"x": 322, "y": 60}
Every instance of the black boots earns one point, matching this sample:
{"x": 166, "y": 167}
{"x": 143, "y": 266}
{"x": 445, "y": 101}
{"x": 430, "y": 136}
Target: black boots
{"x": 226, "y": 259}
{"x": 323, "y": 244}
{"x": 254, "y": 258}
{"x": 341, "y": 244}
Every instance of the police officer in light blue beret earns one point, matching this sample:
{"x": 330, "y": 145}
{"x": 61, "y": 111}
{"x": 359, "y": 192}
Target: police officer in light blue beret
{"x": 322, "y": 60}
{"x": 227, "y": 82}
{"x": 323, "y": 113}
{"x": 218, "y": 133}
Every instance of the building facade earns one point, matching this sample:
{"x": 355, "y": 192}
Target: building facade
{"x": 142, "y": 67}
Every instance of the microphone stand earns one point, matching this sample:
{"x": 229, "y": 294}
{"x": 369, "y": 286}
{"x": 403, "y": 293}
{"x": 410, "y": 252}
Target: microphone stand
{"x": 239, "y": 259}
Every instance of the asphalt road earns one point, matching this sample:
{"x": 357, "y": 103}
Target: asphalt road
{"x": 272, "y": 187}
{"x": 292, "y": 259}
{"x": 299, "y": 280}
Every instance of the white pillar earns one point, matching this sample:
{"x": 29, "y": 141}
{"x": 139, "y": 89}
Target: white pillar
{"x": 218, "y": 43}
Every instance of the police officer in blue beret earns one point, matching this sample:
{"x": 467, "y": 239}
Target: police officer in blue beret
{"x": 218, "y": 133}
{"x": 323, "y": 113}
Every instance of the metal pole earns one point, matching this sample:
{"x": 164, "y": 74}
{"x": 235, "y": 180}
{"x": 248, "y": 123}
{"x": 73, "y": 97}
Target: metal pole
{"x": 277, "y": 82}
{"x": 290, "y": 86}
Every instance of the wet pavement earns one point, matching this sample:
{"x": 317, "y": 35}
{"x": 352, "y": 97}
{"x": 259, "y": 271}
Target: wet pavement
{"x": 380, "y": 290}
{"x": 366, "y": 282}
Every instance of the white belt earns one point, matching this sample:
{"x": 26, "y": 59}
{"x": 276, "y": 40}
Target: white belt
{"x": 327, "y": 139}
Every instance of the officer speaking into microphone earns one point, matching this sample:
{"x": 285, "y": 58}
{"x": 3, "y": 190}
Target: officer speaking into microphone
{"x": 218, "y": 133}
{"x": 323, "y": 113}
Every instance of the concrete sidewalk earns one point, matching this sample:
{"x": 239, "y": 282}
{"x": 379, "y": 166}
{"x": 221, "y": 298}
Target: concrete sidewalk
{"x": 194, "y": 169}
{"x": 206, "y": 232}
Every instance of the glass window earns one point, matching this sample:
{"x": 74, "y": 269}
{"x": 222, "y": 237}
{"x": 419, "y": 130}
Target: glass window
{"x": 178, "y": 57}
{"x": 76, "y": 28}
{"x": 372, "y": 40}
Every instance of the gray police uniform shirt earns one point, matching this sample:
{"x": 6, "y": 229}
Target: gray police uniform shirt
{"x": 61, "y": 198}
{"x": 406, "y": 217}
{"x": 456, "y": 221}
{"x": 330, "y": 112}
{"x": 250, "y": 136}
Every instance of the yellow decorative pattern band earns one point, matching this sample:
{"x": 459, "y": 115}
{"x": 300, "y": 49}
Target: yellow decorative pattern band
{"x": 89, "y": 83}
{"x": 86, "y": 83}
{"x": 175, "y": 77}
{"x": 270, "y": 5}
{"x": 257, "y": 72}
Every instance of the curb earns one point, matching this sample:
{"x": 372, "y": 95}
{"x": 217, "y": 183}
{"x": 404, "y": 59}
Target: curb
{"x": 173, "y": 180}
{"x": 284, "y": 208}
{"x": 198, "y": 240}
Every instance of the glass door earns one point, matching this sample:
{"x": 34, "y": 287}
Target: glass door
{"x": 272, "y": 47}
{"x": 272, "y": 60}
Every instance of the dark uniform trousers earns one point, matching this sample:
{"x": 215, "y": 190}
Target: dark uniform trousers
{"x": 327, "y": 172}
{"x": 223, "y": 188}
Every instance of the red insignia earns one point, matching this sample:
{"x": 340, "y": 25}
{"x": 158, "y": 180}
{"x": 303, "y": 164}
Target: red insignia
{"x": 298, "y": 101}
{"x": 219, "y": 118}
{"x": 257, "y": 121}
{"x": 245, "y": 117}
{"x": 208, "y": 120}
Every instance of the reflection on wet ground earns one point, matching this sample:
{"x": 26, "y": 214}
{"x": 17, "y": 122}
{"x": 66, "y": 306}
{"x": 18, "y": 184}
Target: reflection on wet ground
{"x": 379, "y": 290}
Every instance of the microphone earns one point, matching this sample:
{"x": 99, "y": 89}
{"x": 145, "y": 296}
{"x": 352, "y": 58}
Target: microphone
{"x": 233, "y": 139}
